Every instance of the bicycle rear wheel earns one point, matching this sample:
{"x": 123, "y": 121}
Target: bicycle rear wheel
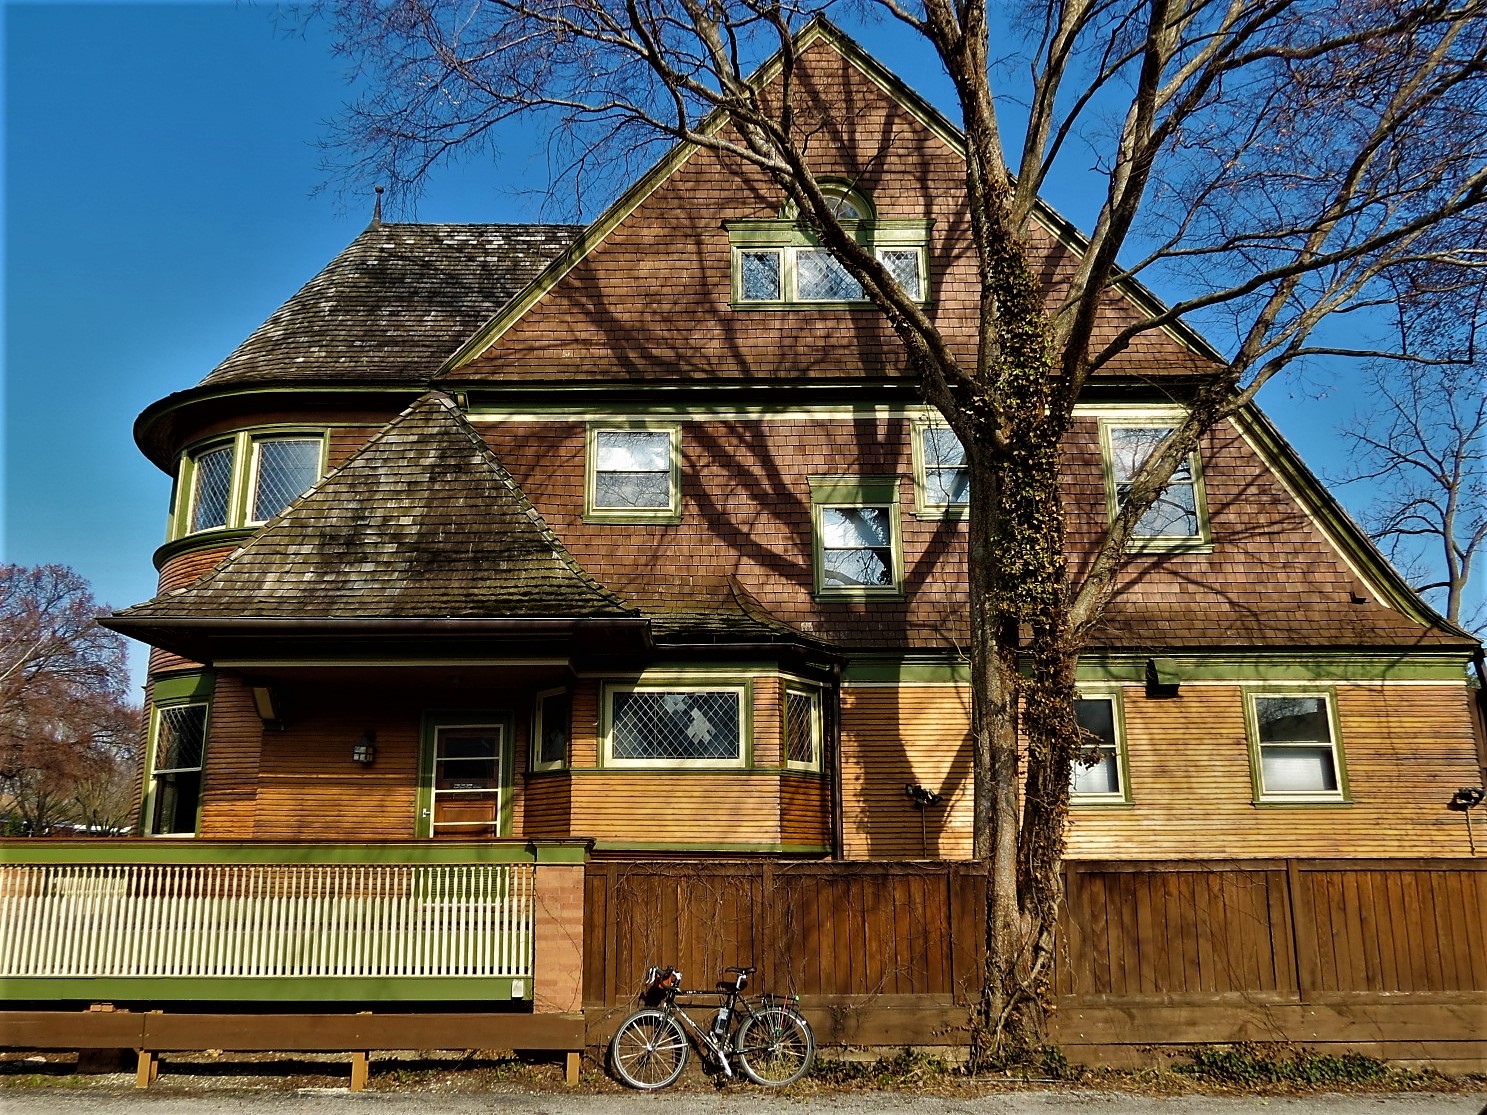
{"x": 649, "y": 1050}
{"x": 775, "y": 1047}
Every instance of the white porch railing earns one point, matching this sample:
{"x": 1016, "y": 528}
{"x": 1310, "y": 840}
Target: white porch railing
{"x": 256, "y": 919}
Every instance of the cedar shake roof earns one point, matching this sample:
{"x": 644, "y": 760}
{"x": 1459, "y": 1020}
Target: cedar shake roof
{"x": 394, "y": 304}
{"x": 422, "y": 522}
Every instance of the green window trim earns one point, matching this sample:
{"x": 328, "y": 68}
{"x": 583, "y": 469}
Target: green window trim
{"x": 785, "y": 238}
{"x": 1264, "y": 796}
{"x": 432, "y": 723}
{"x": 927, "y": 505}
{"x": 741, "y": 762}
{"x": 595, "y": 512}
{"x": 245, "y": 451}
{"x": 849, "y": 494}
{"x": 1200, "y": 542}
{"x": 1122, "y": 795}
{"x": 541, "y": 726}
{"x": 179, "y": 693}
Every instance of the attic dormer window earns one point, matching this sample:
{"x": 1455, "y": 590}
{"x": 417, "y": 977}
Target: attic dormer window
{"x": 781, "y": 263}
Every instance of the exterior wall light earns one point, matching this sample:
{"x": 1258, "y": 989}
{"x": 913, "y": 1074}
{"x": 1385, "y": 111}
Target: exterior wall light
{"x": 1464, "y": 800}
{"x": 364, "y": 750}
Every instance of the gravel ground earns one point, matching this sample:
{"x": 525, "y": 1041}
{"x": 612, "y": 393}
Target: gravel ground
{"x": 111, "y": 1101}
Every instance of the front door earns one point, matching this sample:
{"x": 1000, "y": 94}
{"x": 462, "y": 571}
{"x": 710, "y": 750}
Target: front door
{"x": 466, "y": 782}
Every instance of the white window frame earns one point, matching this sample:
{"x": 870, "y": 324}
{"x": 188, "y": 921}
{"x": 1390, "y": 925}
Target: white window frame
{"x": 743, "y": 690}
{"x": 1258, "y": 747}
{"x": 1122, "y": 795}
{"x": 1201, "y": 541}
{"x": 813, "y": 695}
{"x": 789, "y": 255}
{"x": 595, "y": 512}
{"x": 924, "y": 506}
{"x": 854, "y": 493}
{"x": 539, "y": 726}
{"x": 497, "y": 728}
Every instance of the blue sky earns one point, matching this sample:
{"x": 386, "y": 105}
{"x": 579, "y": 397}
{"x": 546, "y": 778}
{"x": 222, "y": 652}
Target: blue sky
{"x": 160, "y": 167}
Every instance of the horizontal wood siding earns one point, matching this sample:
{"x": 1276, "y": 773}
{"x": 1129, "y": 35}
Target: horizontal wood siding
{"x": 805, "y": 811}
{"x": 678, "y": 808}
{"x": 893, "y": 736}
{"x": 546, "y": 806}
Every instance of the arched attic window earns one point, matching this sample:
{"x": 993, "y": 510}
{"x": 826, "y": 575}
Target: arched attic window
{"x": 780, "y": 263}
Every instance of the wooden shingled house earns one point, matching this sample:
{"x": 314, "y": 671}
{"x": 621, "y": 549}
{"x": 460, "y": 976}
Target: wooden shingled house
{"x": 638, "y": 535}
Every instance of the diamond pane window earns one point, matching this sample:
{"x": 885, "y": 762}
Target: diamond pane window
{"x": 800, "y": 729}
{"x": 903, "y": 265}
{"x": 632, "y": 469}
{"x": 212, "y": 488}
{"x": 180, "y": 742}
{"x": 947, "y": 480}
{"x": 284, "y": 469}
{"x": 857, "y": 546}
{"x": 1101, "y": 778}
{"x": 1175, "y": 512}
{"x": 820, "y": 278}
{"x": 670, "y": 725}
{"x": 1297, "y": 754}
{"x": 759, "y": 276}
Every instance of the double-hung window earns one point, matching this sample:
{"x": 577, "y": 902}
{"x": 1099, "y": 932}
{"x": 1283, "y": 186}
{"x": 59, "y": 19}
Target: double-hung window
{"x": 858, "y": 551}
{"x": 942, "y": 476}
{"x": 1178, "y": 519}
{"x": 1098, "y": 777}
{"x": 634, "y": 474}
{"x": 675, "y": 725}
{"x": 1294, "y": 751}
{"x": 177, "y": 754}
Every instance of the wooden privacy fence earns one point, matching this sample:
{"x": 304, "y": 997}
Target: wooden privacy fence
{"x": 1389, "y": 956}
{"x": 275, "y": 921}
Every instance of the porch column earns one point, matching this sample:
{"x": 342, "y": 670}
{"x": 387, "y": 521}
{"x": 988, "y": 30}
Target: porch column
{"x": 557, "y": 935}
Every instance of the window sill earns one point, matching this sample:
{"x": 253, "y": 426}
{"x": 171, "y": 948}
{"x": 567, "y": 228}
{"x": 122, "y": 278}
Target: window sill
{"x": 1076, "y": 802}
{"x": 858, "y": 304}
{"x": 834, "y": 596}
{"x": 1176, "y": 546}
{"x": 633, "y": 518}
{"x": 1301, "y": 803}
{"x": 953, "y": 513}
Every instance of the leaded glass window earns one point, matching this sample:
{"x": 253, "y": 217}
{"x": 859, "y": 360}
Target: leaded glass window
{"x": 802, "y": 730}
{"x": 759, "y": 276}
{"x": 180, "y": 744}
{"x": 671, "y": 725}
{"x": 857, "y": 547}
{"x": 284, "y": 469}
{"x": 211, "y": 490}
{"x": 1096, "y": 773}
{"x": 1297, "y": 753}
{"x": 632, "y": 469}
{"x": 1175, "y": 512}
{"x": 947, "y": 478}
{"x": 819, "y": 277}
{"x": 903, "y": 265}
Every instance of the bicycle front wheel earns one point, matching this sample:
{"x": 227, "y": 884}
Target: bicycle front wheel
{"x": 775, "y": 1047}
{"x": 649, "y": 1050}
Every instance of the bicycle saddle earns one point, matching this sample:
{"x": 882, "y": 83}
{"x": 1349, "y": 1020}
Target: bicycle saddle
{"x": 741, "y": 971}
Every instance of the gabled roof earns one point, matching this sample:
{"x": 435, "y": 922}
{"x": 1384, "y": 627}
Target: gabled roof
{"x": 394, "y": 304}
{"x": 423, "y": 522}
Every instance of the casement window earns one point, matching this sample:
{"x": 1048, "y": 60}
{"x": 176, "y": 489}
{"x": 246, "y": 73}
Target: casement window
{"x": 465, "y": 770}
{"x": 802, "y": 728}
{"x": 778, "y": 263}
{"x": 634, "y": 474}
{"x": 284, "y": 468}
{"x": 550, "y": 732}
{"x": 246, "y": 480}
{"x": 942, "y": 478}
{"x": 1103, "y": 781}
{"x": 858, "y": 551}
{"x": 675, "y": 725}
{"x": 1178, "y": 520}
{"x": 177, "y": 754}
{"x": 1295, "y": 755}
